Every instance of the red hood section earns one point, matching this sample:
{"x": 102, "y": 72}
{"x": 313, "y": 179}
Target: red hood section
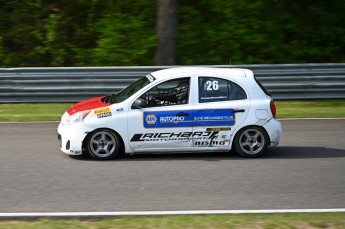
{"x": 88, "y": 104}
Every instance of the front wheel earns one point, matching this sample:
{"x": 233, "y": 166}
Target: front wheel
{"x": 103, "y": 144}
{"x": 251, "y": 142}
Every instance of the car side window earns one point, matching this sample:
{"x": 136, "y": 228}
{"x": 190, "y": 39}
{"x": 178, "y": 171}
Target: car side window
{"x": 171, "y": 92}
{"x": 212, "y": 89}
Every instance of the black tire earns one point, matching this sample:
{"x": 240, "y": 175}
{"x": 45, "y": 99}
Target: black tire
{"x": 251, "y": 141}
{"x": 103, "y": 144}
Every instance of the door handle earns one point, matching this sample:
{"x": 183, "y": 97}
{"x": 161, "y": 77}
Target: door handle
{"x": 182, "y": 114}
{"x": 239, "y": 110}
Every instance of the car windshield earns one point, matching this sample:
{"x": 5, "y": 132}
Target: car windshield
{"x": 131, "y": 89}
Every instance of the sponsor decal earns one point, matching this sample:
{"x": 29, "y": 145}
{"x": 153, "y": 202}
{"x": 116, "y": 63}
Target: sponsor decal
{"x": 211, "y": 143}
{"x": 151, "y": 119}
{"x": 104, "y": 115}
{"x": 103, "y": 112}
{"x": 219, "y": 129}
{"x": 174, "y": 136}
{"x": 219, "y": 143}
{"x": 119, "y": 109}
{"x": 221, "y": 139}
{"x": 202, "y": 143}
{"x": 171, "y": 119}
{"x": 189, "y": 118}
{"x": 199, "y": 138}
{"x": 76, "y": 152}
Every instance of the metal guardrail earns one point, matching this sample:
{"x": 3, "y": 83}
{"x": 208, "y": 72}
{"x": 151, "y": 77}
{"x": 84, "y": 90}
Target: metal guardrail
{"x": 72, "y": 84}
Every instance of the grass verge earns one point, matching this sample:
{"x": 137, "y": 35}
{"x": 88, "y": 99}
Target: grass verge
{"x": 285, "y": 109}
{"x": 32, "y": 111}
{"x": 257, "y": 221}
{"x": 311, "y": 108}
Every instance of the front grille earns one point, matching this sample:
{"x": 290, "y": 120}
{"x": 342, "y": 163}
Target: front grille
{"x": 68, "y": 145}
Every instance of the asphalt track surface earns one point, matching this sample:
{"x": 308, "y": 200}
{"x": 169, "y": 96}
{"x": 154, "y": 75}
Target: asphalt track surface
{"x": 307, "y": 171}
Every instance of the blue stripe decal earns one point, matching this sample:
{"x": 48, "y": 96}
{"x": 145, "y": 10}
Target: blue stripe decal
{"x": 188, "y": 118}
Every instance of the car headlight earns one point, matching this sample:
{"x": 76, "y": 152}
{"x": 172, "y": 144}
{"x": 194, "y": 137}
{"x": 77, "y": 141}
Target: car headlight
{"x": 64, "y": 117}
{"x": 77, "y": 117}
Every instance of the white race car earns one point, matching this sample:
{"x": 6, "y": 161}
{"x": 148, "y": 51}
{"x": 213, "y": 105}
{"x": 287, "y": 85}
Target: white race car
{"x": 182, "y": 109}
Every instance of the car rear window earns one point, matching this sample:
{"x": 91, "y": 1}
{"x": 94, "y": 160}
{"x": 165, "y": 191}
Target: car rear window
{"x": 213, "y": 89}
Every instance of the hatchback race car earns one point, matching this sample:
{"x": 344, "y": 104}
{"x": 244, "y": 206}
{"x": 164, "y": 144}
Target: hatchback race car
{"x": 183, "y": 109}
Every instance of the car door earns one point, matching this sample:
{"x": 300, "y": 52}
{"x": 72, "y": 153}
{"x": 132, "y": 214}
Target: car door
{"x": 165, "y": 121}
{"x": 221, "y": 106}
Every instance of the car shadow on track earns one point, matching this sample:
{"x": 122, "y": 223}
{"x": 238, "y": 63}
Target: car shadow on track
{"x": 301, "y": 152}
{"x": 282, "y": 152}
{"x": 215, "y": 156}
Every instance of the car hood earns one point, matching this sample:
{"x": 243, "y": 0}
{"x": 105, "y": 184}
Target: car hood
{"x": 88, "y": 104}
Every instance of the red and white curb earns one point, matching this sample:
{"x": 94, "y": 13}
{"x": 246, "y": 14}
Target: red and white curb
{"x": 159, "y": 213}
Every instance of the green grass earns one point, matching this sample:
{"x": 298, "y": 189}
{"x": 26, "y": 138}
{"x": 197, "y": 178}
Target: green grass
{"x": 245, "y": 221}
{"x": 285, "y": 109}
{"x": 32, "y": 112}
{"x": 311, "y": 109}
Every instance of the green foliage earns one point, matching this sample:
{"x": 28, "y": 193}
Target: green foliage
{"x": 126, "y": 35}
{"x": 18, "y": 21}
{"x": 101, "y": 33}
{"x": 271, "y": 31}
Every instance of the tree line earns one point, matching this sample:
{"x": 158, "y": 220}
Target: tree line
{"x": 200, "y": 32}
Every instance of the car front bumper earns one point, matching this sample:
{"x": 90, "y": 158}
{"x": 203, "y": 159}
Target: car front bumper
{"x": 71, "y": 137}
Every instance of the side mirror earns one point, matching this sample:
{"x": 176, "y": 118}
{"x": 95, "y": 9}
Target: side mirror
{"x": 139, "y": 103}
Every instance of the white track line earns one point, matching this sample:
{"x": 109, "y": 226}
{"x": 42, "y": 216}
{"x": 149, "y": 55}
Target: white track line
{"x": 31, "y": 122}
{"x": 287, "y": 119}
{"x": 157, "y": 213}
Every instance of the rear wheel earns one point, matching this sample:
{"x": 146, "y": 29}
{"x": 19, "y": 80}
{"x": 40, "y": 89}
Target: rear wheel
{"x": 251, "y": 141}
{"x": 103, "y": 144}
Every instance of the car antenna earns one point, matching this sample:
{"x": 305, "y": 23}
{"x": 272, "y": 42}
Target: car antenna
{"x": 230, "y": 63}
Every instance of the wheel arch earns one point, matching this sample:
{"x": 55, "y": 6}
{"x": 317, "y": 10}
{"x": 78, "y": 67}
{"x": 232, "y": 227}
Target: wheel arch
{"x": 248, "y": 126}
{"x": 122, "y": 147}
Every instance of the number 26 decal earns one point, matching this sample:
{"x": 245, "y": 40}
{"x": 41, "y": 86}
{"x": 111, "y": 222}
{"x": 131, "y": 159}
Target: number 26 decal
{"x": 212, "y": 85}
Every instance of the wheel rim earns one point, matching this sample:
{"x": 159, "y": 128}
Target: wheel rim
{"x": 102, "y": 144}
{"x": 252, "y": 141}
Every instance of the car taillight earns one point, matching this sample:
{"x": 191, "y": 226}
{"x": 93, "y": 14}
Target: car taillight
{"x": 273, "y": 108}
